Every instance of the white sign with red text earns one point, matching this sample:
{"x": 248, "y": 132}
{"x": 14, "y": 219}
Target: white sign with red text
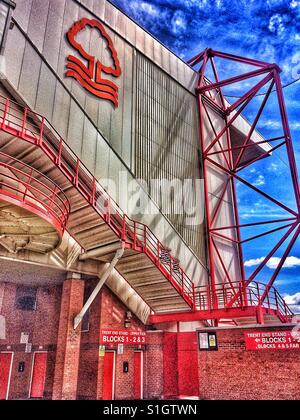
{"x": 124, "y": 337}
{"x": 274, "y": 340}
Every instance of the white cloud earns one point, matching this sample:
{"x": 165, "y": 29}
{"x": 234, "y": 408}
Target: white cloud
{"x": 274, "y": 167}
{"x": 276, "y": 24}
{"x": 291, "y": 262}
{"x": 293, "y": 301}
{"x": 253, "y": 262}
{"x": 294, "y": 4}
{"x": 260, "y": 181}
{"x": 295, "y": 125}
{"x": 178, "y": 22}
{"x": 277, "y": 125}
{"x": 144, "y": 7}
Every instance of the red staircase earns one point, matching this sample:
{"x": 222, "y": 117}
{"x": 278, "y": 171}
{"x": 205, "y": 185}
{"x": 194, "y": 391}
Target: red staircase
{"x": 55, "y": 182}
{"x": 95, "y": 220}
{"x": 24, "y": 186}
{"x": 247, "y": 298}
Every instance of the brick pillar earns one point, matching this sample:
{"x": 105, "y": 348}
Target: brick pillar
{"x": 68, "y": 342}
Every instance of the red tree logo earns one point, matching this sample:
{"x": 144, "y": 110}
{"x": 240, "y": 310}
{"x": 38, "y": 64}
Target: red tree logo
{"x": 90, "y": 76}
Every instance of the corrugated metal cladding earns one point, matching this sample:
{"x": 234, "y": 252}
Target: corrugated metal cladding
{"x": 167, "y": 143}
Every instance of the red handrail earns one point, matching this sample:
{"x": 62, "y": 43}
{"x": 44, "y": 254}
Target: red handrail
{"x": 33, "y": 189}
{"x": 225, "y": 292}
{"x": 34, "y": 128}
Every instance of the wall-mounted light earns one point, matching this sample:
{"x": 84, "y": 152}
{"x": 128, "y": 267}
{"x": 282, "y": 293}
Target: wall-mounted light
{"x": 6, "y": 8}
{"x": 128, "y": 319}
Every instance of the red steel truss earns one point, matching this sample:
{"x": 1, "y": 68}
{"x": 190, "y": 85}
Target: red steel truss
{"x": 228, "y": 160}
{"x": 239, "y": 296}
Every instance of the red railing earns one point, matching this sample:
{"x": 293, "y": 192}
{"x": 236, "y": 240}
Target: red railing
{"x": 35, "y": 129}
{"x": 30, "y": 188}
{"x": 247, "y": 297}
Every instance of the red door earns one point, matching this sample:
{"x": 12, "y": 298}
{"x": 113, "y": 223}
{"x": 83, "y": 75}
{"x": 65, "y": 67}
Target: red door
{"x": 138, "y": 375}
{"x": 5, "y": 368}
{"x": 108, "y": 376}
{"x": 38, "y": 379}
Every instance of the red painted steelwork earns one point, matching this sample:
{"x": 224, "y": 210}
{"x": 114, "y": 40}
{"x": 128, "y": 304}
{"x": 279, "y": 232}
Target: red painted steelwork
{"x": 207, "y": 94}
{"x": 274, "y": 304}
{"x": 28, "y": 188}
{"x": 34, "y": 129}
{"x": 237, "y": 298}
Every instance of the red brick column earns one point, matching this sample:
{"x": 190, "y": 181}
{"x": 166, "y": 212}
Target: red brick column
{"x": 68, "y": 343}
{"x": 154, "y": 366}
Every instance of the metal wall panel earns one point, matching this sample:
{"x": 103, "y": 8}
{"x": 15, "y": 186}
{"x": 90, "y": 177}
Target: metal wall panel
{"x": 167, "y": 143}
{"x": 120, "y": 23}
{"x": 38, "y": 22}
{"x": 83, "y": 120}
{"x": 46, "y": 89}
{"x": 89, "y": 144}
{"x": 61, "y": 110}
{"x": 22, "y": 12}
{"x": 16, "y": 46}
{"x": 110, "y": 16}
{"x": 29, "y": 75}
{"x": 54, "y": 35}
{"x": 99, "y": 8}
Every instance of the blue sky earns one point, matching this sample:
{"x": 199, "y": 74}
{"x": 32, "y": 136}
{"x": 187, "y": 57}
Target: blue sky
{"x": 268, "y": 30}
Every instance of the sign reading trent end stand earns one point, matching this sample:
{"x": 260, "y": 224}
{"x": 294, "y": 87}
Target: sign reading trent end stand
{"x": 271, "y": 341}
{"x": 122, "y": 337}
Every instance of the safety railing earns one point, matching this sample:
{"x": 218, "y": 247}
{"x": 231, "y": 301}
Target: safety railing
{"x": 20, "y": 182}
{"x": 246, "y": 297}
{"x": 36, "y": 129}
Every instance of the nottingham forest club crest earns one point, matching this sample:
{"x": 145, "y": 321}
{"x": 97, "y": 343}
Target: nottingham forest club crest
{"x": 89, "y": 70}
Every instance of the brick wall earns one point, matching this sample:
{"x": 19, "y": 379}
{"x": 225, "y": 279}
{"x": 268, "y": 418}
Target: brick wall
{"x": 68, "y": 342}
{"x": 172, "y": 365}
{"x": 234, "y": 373}
{"x": 154, "y": 385}
{"x": 41, "y": 325}
{"x": 169, "y": 363}
{"x": 107, "y": 312}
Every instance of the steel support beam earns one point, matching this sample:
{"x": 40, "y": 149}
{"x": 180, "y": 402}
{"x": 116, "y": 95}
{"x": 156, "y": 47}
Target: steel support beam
{"x": 217, "y": 314}
{"x": 78, "y": 319}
